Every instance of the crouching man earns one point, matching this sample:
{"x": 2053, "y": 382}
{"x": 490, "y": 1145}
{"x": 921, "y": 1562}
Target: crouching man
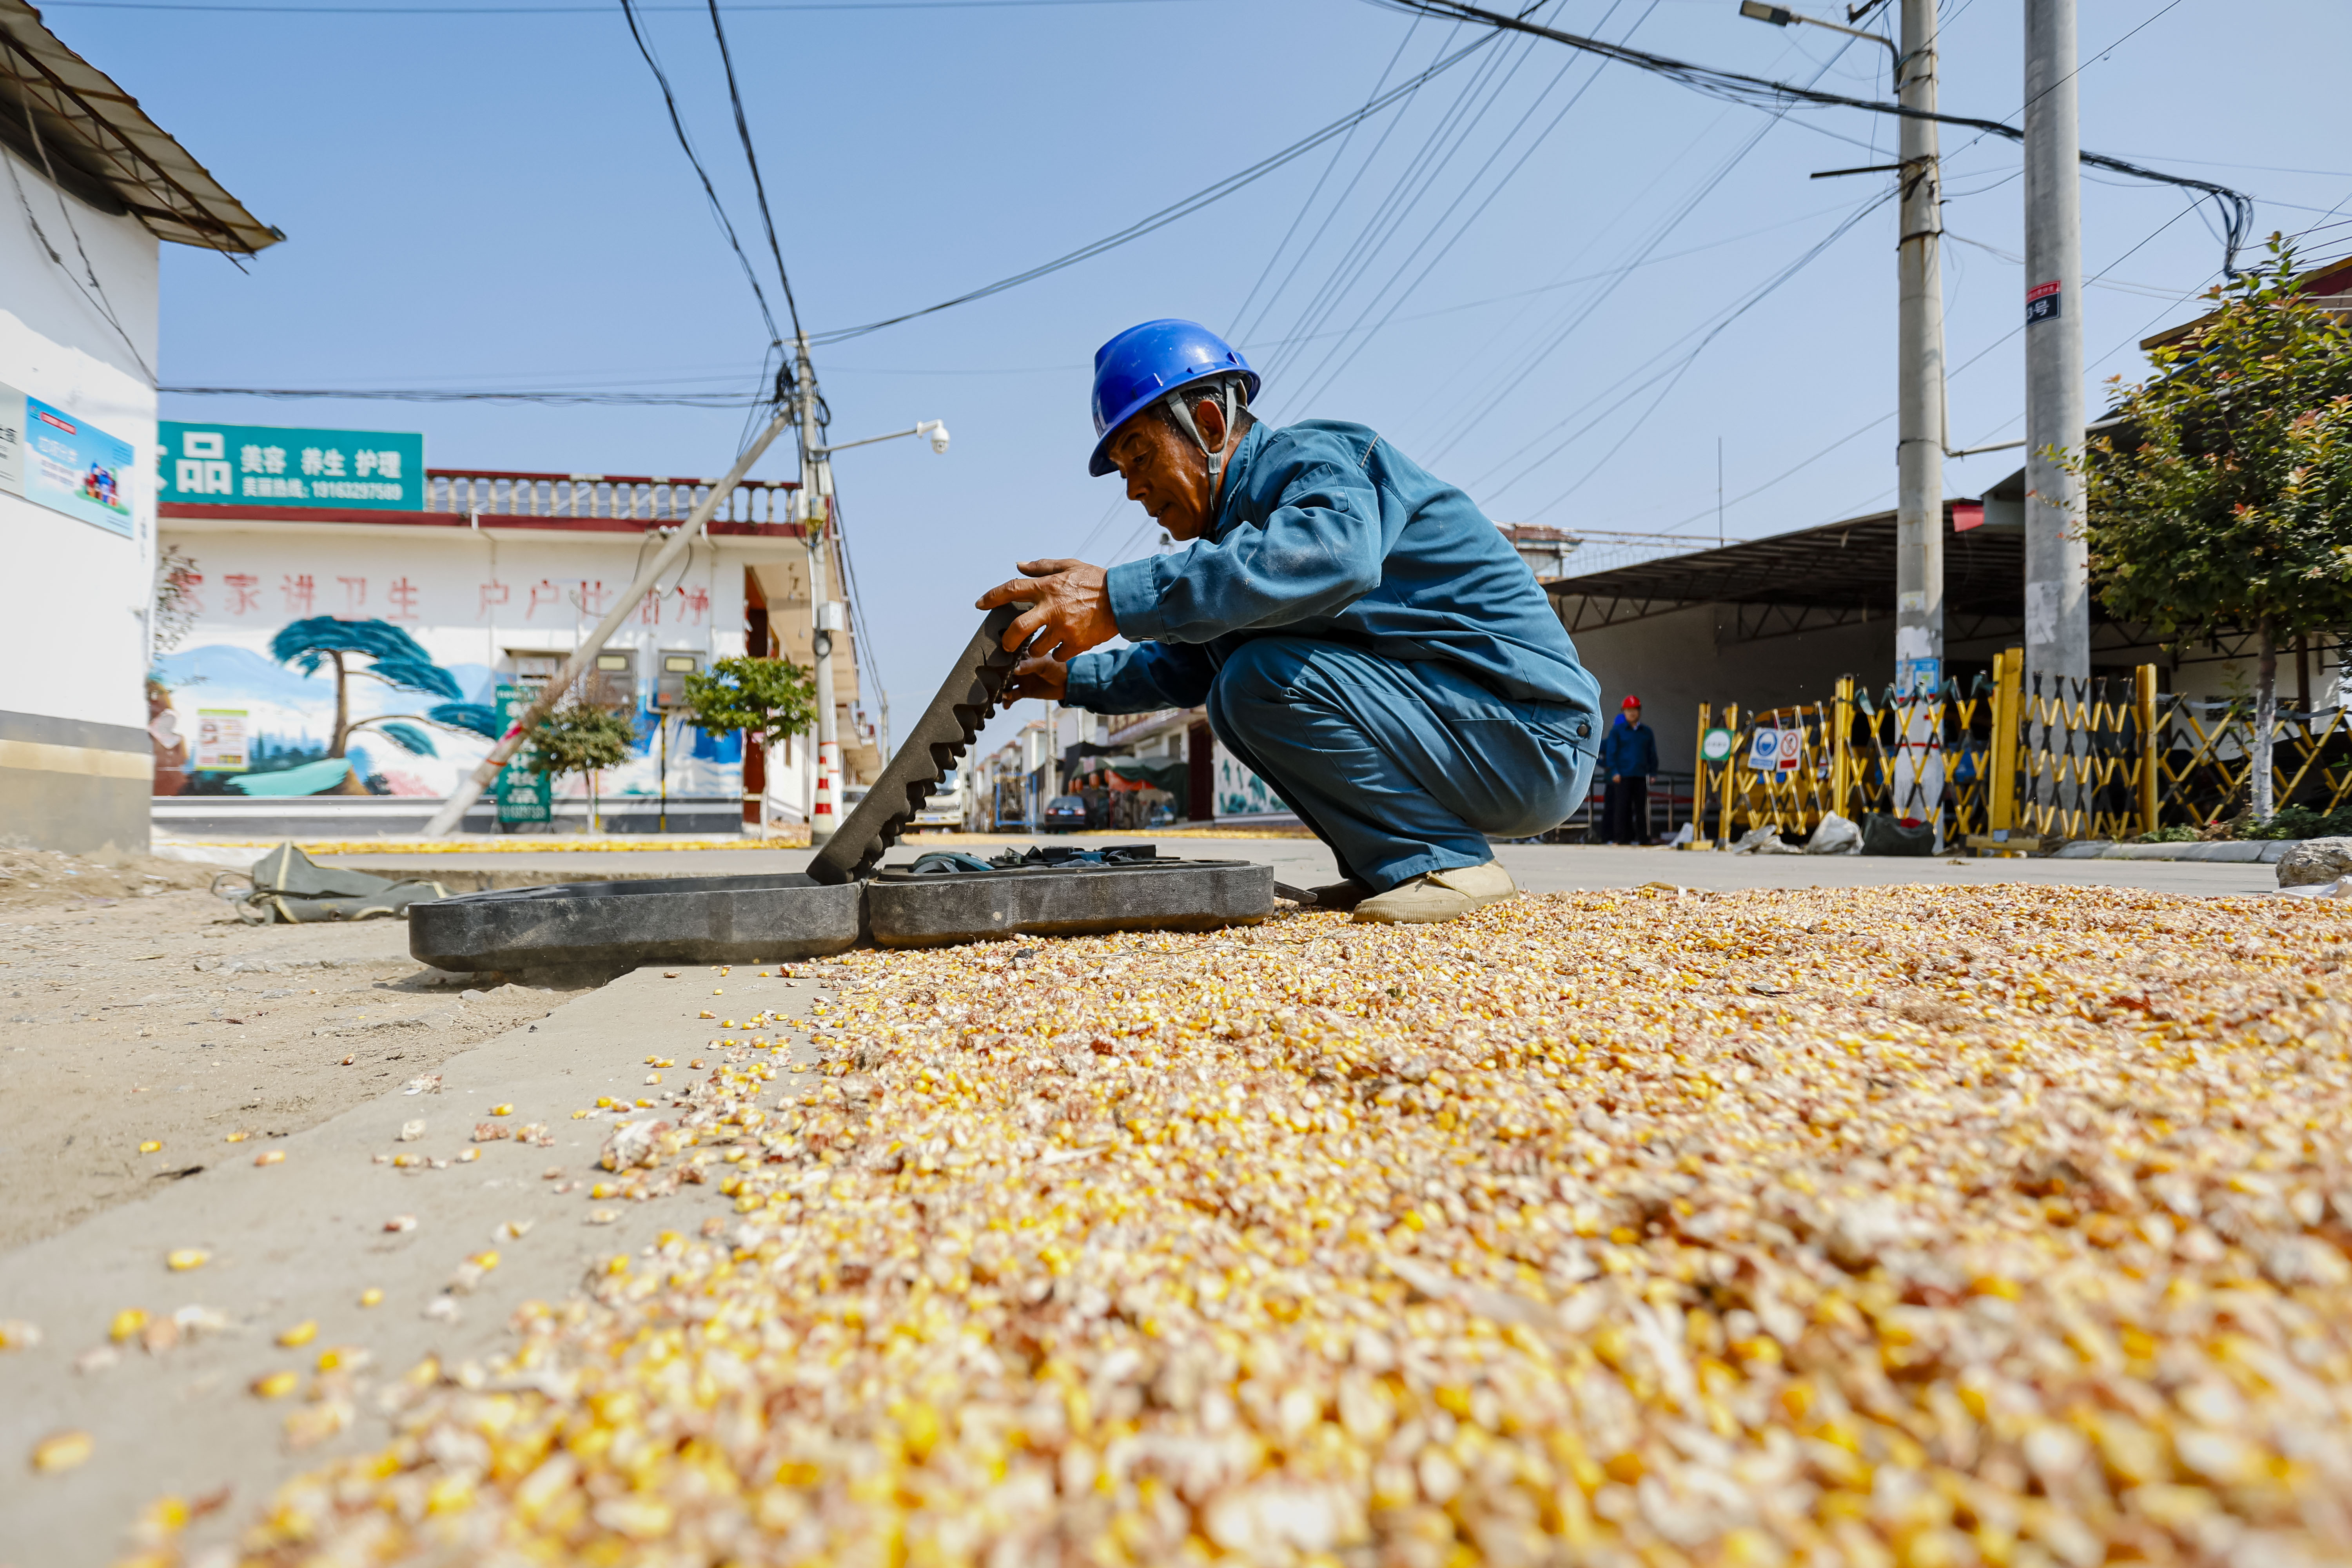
{"x": 1365, "y": 640}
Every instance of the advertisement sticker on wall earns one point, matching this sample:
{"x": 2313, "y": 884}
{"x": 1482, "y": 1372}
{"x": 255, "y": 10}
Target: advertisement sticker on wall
{"x": 221, "y": 741}
{"x": 72, "y": 466}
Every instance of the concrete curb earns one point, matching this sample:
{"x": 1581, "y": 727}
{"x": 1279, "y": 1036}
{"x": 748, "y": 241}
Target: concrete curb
{"x": 2250, "y": 852}
{"x": 491, "y": 881}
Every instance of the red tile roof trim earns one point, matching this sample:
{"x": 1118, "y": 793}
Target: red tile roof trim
{"x": 458, "y": 520}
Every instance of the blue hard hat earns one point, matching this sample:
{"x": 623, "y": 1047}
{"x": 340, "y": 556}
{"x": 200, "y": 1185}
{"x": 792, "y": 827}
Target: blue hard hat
{"x": 1143, "y": 362}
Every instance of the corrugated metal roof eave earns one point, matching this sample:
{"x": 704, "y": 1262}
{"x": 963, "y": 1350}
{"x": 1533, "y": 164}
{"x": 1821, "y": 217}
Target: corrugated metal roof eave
{"x": 105, "y": 133}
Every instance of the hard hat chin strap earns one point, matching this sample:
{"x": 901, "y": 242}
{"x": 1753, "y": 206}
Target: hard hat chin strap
{"x": 1179, "y": 406}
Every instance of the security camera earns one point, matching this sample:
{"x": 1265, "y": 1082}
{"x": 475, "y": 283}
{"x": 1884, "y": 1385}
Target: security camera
{"x": 938, "y": 429}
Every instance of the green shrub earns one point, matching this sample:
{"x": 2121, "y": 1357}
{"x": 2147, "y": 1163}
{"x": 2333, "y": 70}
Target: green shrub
{"x": 2301, "y": 822}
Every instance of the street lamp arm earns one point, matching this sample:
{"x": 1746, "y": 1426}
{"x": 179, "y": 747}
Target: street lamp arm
{"x": 1781, "y": 16}
{"x": 935, "y": 428}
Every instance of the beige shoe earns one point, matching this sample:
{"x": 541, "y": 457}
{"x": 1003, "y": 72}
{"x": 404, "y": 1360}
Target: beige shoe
{"x": 1438, "y": 896}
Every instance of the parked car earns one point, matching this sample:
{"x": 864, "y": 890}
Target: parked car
{"x": 1063, "y": 813}
{"x": 945, "y": 806}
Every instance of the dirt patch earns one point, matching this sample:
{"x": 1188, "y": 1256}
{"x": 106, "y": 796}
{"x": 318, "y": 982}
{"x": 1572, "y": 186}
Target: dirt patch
{"x": 44, "y": 879}
{"x": 129, "y": 1018}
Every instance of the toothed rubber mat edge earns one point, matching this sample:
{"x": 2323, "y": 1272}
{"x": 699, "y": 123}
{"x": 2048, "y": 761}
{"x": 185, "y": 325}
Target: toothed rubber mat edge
{"x": 906, "y": 911}
{"x": 963, "y": 704}
{"x": 670, "y": 919}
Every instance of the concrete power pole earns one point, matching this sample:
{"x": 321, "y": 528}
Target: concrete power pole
{"x": 1919, "y": 454}
{"x": 2057, "y": 594}
{"x": 816, "y": 509}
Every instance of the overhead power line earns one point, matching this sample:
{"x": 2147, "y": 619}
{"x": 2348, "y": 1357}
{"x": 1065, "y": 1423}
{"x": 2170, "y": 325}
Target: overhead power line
{"x": 588, "y": 10}
{"x": 2237, "y": 208}
{"x": 1199, "y": 199}
{"x": 717, "y": 209}
{"x": 444, "y": 394}
{"x": 759, "y": 187}
{"x": 1539, "y": 350}
{"x": 1337, "y": 359}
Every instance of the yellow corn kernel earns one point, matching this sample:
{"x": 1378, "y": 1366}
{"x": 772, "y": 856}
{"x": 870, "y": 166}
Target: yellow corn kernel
{"x": 61, "y": 1451}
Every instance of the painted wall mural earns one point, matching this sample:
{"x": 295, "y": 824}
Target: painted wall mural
{"x": 353, "y": 666}
{"x": 338, "y": 720}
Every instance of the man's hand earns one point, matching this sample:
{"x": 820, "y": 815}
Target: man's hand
{"x": 1046, "y": 677}
{"x": 1070, "y": 607}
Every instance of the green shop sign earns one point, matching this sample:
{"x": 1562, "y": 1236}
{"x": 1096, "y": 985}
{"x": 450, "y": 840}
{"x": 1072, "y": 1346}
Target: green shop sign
{"x": 524, "y": 796}
{"x": 272, "y": 465}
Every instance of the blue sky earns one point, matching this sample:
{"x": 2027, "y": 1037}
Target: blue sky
{"x": 495, "y": 200}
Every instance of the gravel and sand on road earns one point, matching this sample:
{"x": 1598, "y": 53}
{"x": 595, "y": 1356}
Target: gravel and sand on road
{"x": 141, "y": 1031}
{"x": 1922, "y": 1225}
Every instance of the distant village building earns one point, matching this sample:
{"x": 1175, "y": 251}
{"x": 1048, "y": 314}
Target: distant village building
{"x": 1545, "y": 549}
{"x": 493, "y": 578}
{"x": 100, "y": 189}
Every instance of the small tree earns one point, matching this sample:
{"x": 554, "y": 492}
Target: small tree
{"x": 2223, "y": 499}
{"x": 579, "y": 738}
{"x": 766, "y": 698}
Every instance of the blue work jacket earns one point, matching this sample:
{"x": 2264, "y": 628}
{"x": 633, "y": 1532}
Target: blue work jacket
{"x": 1629, "y": 749}
{"x": 1327, "y": 532}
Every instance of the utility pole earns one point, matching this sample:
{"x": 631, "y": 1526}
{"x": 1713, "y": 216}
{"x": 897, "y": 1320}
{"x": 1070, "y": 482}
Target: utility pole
{"x": 816, "y": 511}
{"x": 1919, "y": 352}
{"x": 469, "y": 789}
{"x": 1052, "y": 748}
{"x": 1919, "y": 330}
{"x": 2057, "y": 594}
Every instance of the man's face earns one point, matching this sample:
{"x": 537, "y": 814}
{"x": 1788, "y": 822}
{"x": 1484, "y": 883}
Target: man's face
{"x": 1165, "y": 472}
{"x": 1633, "y": 714}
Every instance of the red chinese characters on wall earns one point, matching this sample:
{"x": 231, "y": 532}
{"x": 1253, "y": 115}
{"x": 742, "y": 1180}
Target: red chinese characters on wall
{"x": 565, "y": 600}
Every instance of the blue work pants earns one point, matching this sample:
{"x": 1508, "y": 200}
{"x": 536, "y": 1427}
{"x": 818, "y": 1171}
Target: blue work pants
{"x": 1400, "y": 768}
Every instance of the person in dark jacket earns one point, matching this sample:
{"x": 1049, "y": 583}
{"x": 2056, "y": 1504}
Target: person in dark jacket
{"x": 1364, "y": 639}
{"x": 1628, "y": 755}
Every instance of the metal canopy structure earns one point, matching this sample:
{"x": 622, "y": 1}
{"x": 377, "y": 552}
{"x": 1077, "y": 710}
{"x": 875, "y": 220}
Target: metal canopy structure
{"x": 1836, "y": 574}
{"x": 67, "y": 118}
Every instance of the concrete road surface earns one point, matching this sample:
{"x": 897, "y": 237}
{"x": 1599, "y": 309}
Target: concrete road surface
{"x": 297, "y": 1242}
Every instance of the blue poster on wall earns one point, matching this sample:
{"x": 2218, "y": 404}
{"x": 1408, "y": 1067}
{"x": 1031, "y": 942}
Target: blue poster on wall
{"x": 73, "y": 466}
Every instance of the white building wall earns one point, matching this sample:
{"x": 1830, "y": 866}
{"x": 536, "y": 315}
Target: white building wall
{"x": 470, "y": 598}
{"x": 73, "y": 757}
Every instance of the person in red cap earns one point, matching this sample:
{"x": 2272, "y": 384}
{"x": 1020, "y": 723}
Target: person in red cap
{"x": 1628, "y": 755}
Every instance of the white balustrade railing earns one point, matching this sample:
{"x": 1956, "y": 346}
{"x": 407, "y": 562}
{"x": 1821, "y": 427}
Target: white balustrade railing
{"x": 647, "y": 498}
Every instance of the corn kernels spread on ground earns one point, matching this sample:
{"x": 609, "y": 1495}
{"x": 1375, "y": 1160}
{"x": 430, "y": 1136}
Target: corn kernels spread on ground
{"x": 1910, "y": 1226}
